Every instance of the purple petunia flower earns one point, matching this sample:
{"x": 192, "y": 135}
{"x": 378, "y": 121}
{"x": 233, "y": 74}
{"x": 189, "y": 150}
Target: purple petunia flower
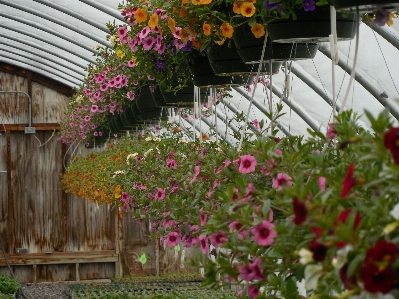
{"x": 309, "y": 5}
{"x": 271, "y": 6}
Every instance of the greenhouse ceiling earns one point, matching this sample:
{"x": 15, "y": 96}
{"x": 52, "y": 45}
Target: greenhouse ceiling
{"x": 58, "y": 39}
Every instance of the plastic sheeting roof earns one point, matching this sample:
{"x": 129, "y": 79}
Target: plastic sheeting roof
{"x": 57, "y": 39}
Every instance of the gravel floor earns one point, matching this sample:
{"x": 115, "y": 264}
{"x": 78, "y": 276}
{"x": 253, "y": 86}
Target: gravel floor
{"x": 44, "y": 291}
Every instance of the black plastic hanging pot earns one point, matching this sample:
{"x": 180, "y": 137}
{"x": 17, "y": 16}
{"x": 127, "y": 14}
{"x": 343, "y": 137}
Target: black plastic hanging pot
{"x": 250, "y": 48}
{"x": 159, "y": 98}
{"x": 128, "y": 118}
{"x": 311, "y": 26}
{"x": 182, "y": 97}
{"x": 366, "y": 5}
{"x": 148, "y": 107}
{"x": 204, "y": 76}
{"x": 225, "y": 61}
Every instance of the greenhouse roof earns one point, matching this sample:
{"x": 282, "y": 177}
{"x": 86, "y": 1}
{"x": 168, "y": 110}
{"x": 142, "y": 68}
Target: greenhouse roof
{"x": 58, "y": 39}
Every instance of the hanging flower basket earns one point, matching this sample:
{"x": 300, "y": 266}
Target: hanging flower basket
{"x": 311, "y": 26}
{"x": 250, "y": 48}
{"x": 128, "y": 118}
{"x": 158, "y": 97}
{"x": 182, "y": 97}
{"x": 204, "y": 76}
{"x": 225, "y": 61}
{"x": 367, "y": 5}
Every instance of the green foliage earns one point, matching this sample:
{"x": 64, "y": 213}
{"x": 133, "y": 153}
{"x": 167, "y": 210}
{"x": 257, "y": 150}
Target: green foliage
{"x": 8, "y": 284}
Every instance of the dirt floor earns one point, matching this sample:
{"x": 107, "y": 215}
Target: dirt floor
{"x": 44, "y": 291}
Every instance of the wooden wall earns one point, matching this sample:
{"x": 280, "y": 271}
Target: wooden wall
{"x": 67, "y": 238}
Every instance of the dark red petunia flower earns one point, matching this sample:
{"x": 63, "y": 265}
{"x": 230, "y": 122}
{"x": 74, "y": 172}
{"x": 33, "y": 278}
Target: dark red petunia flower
{"x": 300, "y": 211}
{"x": 319, "y": 250}
{"x": 377, "y": 280}
{"x": 350, "y": 282}
{"x": 383, "y": 254}
{"x": 349, "y": 181}
{"x": 341, "y": 219}
{"x": 391, "y": 142}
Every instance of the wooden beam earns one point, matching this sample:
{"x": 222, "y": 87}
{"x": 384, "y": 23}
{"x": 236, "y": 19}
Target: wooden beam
{"x": 39, "y": 127}
{"x": 64, "y": 201}
{"x": 104, "y": 256}
{"x": 10, "y": 197}
{"x": 118, "y": 241}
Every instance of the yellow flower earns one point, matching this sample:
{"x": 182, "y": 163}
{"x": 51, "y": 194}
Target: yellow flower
{"x": 390, "y": 19}
{"x": 206, "y": 1}
{"x": 183, "y": 12}
{"x": 153, "y": 21}
{"x": 183, "y": 34}
{"x": 204, "y": 137}
{"x": 118, "y": 191}
{"x": 196, "y": 2}
{"x": 258, "y": 30}
{"x": 140, "y": 15}
{"x": 185, "y": 1}
{"x": 237, "y": 7}
{"x": 247, "y": 9}
{"x": 120, "y": 53}
{"x": 207, "y": 29}
{"x": 196, "y": 43}
{"x": 220, "y": 42}
{"x": 227, "y": 30}
{"x": 391, "y": 227}
{"x": 172, "y": 25}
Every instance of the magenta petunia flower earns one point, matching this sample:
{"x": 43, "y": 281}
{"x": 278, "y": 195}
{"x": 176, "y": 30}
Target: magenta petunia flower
{"x": 204, "y": 244}
{"x": 253, "y": 291}
{"x": 197, "y": 171}
{"x": 122, "y": 31}
{"x": 224, "y": 164}
{"x": 300, "y": 211}
{"x": 252, "y": 271}
{"x": 264, "y": 233}
{"x": 143, "y": 33}
{"x": 93, "y": 109}
{"x": 160, "y": 194}
{"x": 281, "y": 180}
{"x": 218, "y": 238}
{"x": 173, "y": 238}
{"x": 148, "y": 43}
{"x": 87, "y": 118}
{"x": 247, "y": 164}
{"x": 256, "y": 124}
{"x": 331, "y": 133}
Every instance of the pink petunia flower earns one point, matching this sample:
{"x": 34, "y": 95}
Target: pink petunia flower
{"x": 256, "y": 124}
{"x": 322, "y": 183}
{"x": 143, "y": 33}
{"x": 218, "y": 238}
{"x": 247, "y": 164}
{"x": 173, "y": 238}
{"x": 204, "y": 244}
{"x": 197, "y": 171}
{"x": 224, "y": 165}
{"x": 253, "y": 291}
{"x": 281, "y": 180}
{"x": 160, "y": 194}
{"x": 264, "y": 233}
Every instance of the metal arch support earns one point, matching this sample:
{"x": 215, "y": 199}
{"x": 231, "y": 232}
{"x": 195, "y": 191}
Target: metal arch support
{"x": 44, "y": 50}
{"x": 235, "y": 110}
{"x": 37, "y": 37}
{"x": 259, "y": 105}
{"x": 29, "y": 57}
{"x": 56, "y": 21}
{"x": 42, "y": 71}
{"x": 219, "y": 134}
{"x": 298, "y": 71}
{"x": 46, "y": 29}
{"x": 73, "y": 14}
{"x": 365, "y": 80}
{"x": 390, "y": 34}
{"x": 112, "y": 12}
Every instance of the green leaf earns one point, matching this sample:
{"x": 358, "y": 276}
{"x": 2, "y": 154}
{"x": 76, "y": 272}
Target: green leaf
{"x": 177, "y": 247}
{"x": 266, "y": 207}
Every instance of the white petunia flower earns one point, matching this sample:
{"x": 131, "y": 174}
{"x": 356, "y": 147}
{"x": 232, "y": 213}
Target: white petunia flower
{"x": 395, "y": 212}
{"x": 312, "y": 275}
{"x": 306, "y": 256}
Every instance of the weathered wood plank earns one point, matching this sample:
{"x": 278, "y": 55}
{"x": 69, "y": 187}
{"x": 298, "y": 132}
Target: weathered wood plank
{"x": 43, "y": 80}
{"x": 90, "y": 271}
{"x": 60, "y": 258}
{"x": 49, "y": 105}
{"x": 37, "y": 191}
{"x": 4, "y": 232}
{"x": 10, "y": 196}
{"x": 13, "y": 106}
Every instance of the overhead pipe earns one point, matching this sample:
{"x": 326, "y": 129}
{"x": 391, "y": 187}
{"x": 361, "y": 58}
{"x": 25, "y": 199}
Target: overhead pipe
{"x": 112, "y": 12}
{"x": 366, "y": 81}
{"x": 73, "y": 14}
{"x": 262, "y": 108}
{"x": 29, "y": 129}
{"x": 56, "y": 21}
